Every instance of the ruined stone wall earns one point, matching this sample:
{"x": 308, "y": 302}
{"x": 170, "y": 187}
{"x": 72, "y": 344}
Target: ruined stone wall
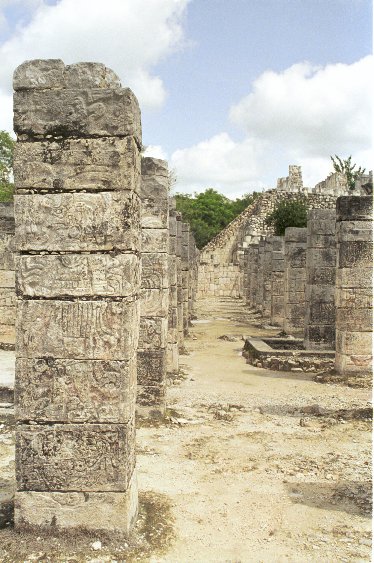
{"x": 320, "y": 280}
{"x": 354, "y": 285}
{"x": 7, "y": 279}
{"x": 77, "y": 212}
{"x": 220, "y": 273}
{"x": 295, "y": 280}
{"x": 154, "y": 301}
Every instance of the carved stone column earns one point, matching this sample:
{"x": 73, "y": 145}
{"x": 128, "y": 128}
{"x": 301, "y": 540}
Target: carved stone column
{"x": 154, "y": 303}
{"x": 354, "y": 284}
{"x": 295, "y": 280}
{"x": 77, "y": 211}
{"x": 277, "y": 281}
{"x": 7, "y": 281}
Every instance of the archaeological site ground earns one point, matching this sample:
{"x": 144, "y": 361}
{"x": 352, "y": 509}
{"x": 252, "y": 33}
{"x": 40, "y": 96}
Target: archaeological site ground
{"x": 162, "y": 403}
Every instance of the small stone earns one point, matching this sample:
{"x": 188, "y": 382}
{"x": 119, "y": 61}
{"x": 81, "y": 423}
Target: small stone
{"x": 96, "y": 545}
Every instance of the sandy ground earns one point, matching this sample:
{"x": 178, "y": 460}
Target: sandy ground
{"x": 250, "y": 466}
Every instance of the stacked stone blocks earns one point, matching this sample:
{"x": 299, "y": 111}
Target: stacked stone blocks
{"x": 77, "y": 236}
{"x": 7, "y": 277}
{"x": 295, "y": 280}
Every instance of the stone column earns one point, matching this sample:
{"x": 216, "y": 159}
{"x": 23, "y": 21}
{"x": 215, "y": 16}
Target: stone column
{"x": 260, "y": 276}
{"x": 320, "y": 280}
{"x": 295, "y": 280}
{"x": 7, "y": 282}
{"x": 154, "y": 301}
{"x": 252, "y": 275}
{"x": 277, "y": 281}
{"x": 173, "y": 353}
{"x": 354, "y": 285}
{"x": 267, "y": 266}
{"x": 185, "y": 274}
{"x": 77, "y": 211}
{"x": 191, "y": 274}
{"x": 180, "y": 285}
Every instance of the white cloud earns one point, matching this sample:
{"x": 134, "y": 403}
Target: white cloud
{"x": 218, "y": 163}
{"x": 299, "y": 116}
{"x": 155, "y": 151}
{"x": 129, "y": 36}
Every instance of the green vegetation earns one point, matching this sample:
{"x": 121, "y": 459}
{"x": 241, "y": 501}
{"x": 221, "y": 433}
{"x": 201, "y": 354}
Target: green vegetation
{"x": 348, "y": 169}
{"x": 6, "y": 166}
{"x": 288, "y": 213}
{"x": 209, "y": 212}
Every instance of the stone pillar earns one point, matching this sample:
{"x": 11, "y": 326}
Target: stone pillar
{"x": 77, "y": 212}
{"x": 267, "y": 266}
{"x": 295, "y": 280}
{"x": 260, "y": 277}
{"x": 173, "y": 353}
{"x": 7, "y": 282}
{"x": 277, "y": 281}
{"x": 180, "y": 285}
{"x": 354, "y": 285}
{"x": 252, "y": 275}
{"x": 185, "y": 275}
{"x": 246, "y": 252}
{"x": 192, "y": 274}
{"x": 320, "y": 280}
{"x": 154, "y": 301}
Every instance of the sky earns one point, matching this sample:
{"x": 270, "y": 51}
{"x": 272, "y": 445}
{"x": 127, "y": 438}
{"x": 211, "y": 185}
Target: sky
{"x": 231, "y": 91}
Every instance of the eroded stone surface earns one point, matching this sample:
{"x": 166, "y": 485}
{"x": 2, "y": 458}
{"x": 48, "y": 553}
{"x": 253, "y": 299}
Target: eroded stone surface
{"x": 60, "y": 457}
{"x": 77, "y": 222}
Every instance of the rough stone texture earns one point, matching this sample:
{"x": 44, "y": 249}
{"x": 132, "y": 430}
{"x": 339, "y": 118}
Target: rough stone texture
{"x": 354, "y": 285}
{"x": 78, "y": 281}
{"x": 320, "y": 280}
{"x": 185, "y": 256}
{"x": 180, "y": 310}
{"x": 260, "y": 277}
{"x": 267, "y": 270}
{"x": 252, "y": 275}
{"x": 107, "y": 163}
{"x": 172, "y": 348}
{"x": 7, "y": 281}
{"x": 295, "y": 280}
{"x": 277, "y": 281}
{"x": 109, "y": 511}
{"x": 154, "y": 295}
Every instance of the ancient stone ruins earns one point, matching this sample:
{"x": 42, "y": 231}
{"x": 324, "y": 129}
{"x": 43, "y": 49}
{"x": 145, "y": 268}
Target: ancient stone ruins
{"x": 103, "y": 273}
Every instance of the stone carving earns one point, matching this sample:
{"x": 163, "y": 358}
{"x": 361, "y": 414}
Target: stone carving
{"x": 7, "y": 277}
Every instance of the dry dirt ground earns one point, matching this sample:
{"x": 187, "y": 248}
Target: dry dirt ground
{"x": 250, "y": 465}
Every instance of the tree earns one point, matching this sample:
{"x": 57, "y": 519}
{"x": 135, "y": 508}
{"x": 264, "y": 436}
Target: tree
{"x": 288, "y": 213}
{"x": 348, "y": 169}
{"x": 209, "y": 212}
{"x": 6, "y": 166}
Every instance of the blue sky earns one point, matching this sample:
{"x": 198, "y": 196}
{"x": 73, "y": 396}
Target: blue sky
{"x": 232, "y": 91}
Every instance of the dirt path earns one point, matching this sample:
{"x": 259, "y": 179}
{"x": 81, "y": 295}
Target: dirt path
{"x": 246, "y": 469}
{"x": 246, "y": 480}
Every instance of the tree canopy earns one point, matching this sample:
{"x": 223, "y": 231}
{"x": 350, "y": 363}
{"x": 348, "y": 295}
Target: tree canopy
{"x": 348, "y": 169}
{"x": 6, "y": 166}
{"x": 209, "y": 212}
{"x": 288, "y": 213}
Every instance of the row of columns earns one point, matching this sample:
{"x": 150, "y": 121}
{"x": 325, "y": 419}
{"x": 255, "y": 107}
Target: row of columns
{"x": 104, "y": 287}
{"x": 316, "y": 282}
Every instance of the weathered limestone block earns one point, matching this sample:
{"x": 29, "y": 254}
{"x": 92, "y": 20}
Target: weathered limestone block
{"x": 78, "y": 275}
{"x": 180, "y": 308}
{"x": 77, "y": 222}
{"x": 267, "y": 265}
{"x": 172, "y": 346}
{"x": 260, "y": 276}
{"x": 295, "y": 280}
{"x": 76, "y": 112}
{"x": 75, "y": 457}
{"x": 97, "y": 330}
{"x": 154, "y": 239}
{"x": 253, "y": 270}
{"x": 155, "y": 273}
{"x": 103, "y": 164}
{"x": 88, "y": 511}
{"x": 354, "y": 285}
{"x": 153, "y": 333}
{"x": 62, "y": 390}
{"x": 320, "y": 289}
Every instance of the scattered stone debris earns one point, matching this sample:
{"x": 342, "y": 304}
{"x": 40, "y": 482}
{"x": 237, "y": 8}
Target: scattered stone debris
{"x": 229, "y": 338}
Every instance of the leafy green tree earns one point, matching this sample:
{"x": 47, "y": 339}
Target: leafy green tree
{"x": 288, "y": 213}
{"x": 348, "y": 169}
{"x": 209, "y": 212}
{"x": 6, "y": 166}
